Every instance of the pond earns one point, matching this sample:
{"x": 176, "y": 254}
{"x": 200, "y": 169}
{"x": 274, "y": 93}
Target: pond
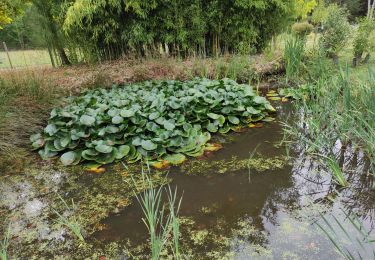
{"x": 232, "y": 210}
{"x": 247, "y": 200}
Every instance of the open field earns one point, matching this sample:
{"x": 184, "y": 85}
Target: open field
{"x": 25, "y": 59}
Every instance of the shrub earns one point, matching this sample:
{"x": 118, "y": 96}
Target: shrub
{"x": 155, "y": 119}
{"x": 336, "y": 31}
{"x": 302, "y": 29}
{"x": 364, "y": 41}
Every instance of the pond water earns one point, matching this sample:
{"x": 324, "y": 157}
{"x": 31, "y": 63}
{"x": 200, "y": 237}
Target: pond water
{"x": 245, "y": 201}
{"x": 241, "y": 213}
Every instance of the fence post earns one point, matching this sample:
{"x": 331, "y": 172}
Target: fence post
{"x": 6, "y": 50}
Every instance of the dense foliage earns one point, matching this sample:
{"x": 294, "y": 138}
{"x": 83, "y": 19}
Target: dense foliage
{"x": 154, "y": 119}
{"x": 336, "y": 31}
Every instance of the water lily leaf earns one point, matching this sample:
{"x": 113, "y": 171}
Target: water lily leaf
{"x": 169, "y": 125}
{"x": 213, "y": 115}
{"x": 69, "y": 158}
{"x": 154, "y": 115}
{"x": 89, "y": 154}
{"x": 212, "y": 128}
{"x": 87, "y": 120}
{"x": 102, "y": 148}
{"x": 123, "y": 150}
{"x": 175, "y": 159}
{"x": 117, "y": 120}
{"x": 127, "y": 113}
{"x": 234, "y": 120}
{"x": 50, "y": 129}
{"x": 269, "y": 107}
{"x": 148, "y": 145}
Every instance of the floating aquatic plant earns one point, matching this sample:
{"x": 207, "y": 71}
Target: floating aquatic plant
{"x": 158, "y": 120}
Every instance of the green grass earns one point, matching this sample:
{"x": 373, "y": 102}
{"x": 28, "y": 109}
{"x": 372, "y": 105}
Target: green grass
{"x": 4, "y": 245}
{"x": 25, "y": 58}
{"x": 160, "y": 224}
{"x": 70, "y": 222}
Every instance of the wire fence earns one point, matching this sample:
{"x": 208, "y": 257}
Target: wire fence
{"x": 23, "y": 58}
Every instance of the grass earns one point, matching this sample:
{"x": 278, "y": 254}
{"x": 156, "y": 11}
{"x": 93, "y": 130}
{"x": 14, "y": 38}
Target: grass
{"x": 158, "y": 222}
{"x": 335, "y": 106}
{"x": 4, "y": 245}
{"x": 25, "y": 59}
{"x": 70, "y": 222}
{"x": 25, "y": 99}
{"x": 293, "y": 54}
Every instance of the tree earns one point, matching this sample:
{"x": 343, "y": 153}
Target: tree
{"x": 336, "y": 31}
{"x": 48, "y": 10}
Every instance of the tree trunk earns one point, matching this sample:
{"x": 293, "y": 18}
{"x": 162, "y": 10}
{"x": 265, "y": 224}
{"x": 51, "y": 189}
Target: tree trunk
{"x": 64, "y": 58}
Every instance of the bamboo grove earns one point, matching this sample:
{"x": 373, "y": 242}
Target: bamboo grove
{"x": 94, "y": 30}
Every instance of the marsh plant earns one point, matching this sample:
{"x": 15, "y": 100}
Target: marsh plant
{"x": 161, "y": 220}
{"x": 156, "y": 120}
{"x": 293, "y": 55}
{"x": 71, "y": 221}
{"x": 4, "y": 244}
{"x": 336, "y": 115}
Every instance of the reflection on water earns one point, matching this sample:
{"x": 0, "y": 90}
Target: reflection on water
{"x": 270, "y": 216}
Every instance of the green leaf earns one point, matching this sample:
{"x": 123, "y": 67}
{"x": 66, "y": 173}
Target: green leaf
{"x": 117, "y": 120}
{"x": 148, "y": 145}
{"x": 102, "y": 148}
{"x": 212, "y": 128}
{"x": 68, "y": 158}
{"x": 175, "y": 159}
{"x": 51, "y": 129}
{"x": 169, "y": 125}
{"x": 127, "y": 113}
{"x": 87, "y": 120}
{"x": 234, "y": 120}
{"x": 122, "y": 151}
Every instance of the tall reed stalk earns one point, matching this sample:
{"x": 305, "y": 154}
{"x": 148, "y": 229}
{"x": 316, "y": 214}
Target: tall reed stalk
{"x": 160, "y": 223}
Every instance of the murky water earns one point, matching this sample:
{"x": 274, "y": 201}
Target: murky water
{"x": 276, "y": 209}
{"x": 276, "y": 205}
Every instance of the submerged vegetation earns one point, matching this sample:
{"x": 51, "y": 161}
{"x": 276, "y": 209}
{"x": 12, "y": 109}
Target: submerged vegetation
{"x": 166, "y": 119}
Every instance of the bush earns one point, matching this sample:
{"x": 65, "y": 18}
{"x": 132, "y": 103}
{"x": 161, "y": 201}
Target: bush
{"x": 336, "y": 31}
{"x": 364, "y": 41}
{"x": 302, "y": 29}
{"x": 158, "y": 120}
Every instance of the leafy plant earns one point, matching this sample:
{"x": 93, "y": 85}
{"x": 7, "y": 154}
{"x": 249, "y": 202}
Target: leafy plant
{"x": 154, "y": 119}
{"x": 336, "y": 31}
{"x": 4, "y": 245}
{"x": 364, "y": 40}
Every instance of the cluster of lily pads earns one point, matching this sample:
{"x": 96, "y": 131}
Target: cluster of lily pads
{"x": 157, "y": 120}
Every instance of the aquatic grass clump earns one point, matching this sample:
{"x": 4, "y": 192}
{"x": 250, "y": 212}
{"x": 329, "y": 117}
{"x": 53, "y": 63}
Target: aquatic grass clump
{"x": 154, "y": 119}
{"x": 4, "y": 244}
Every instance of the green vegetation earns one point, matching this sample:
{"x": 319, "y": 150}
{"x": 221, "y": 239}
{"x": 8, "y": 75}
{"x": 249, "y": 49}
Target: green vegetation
{"x": 70, "y": 221}
{"x": 336, "y": 31}
{"x": 155, "y": 119}
{"x": 160, "y": 225}
{"x": 4, "y": 245}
